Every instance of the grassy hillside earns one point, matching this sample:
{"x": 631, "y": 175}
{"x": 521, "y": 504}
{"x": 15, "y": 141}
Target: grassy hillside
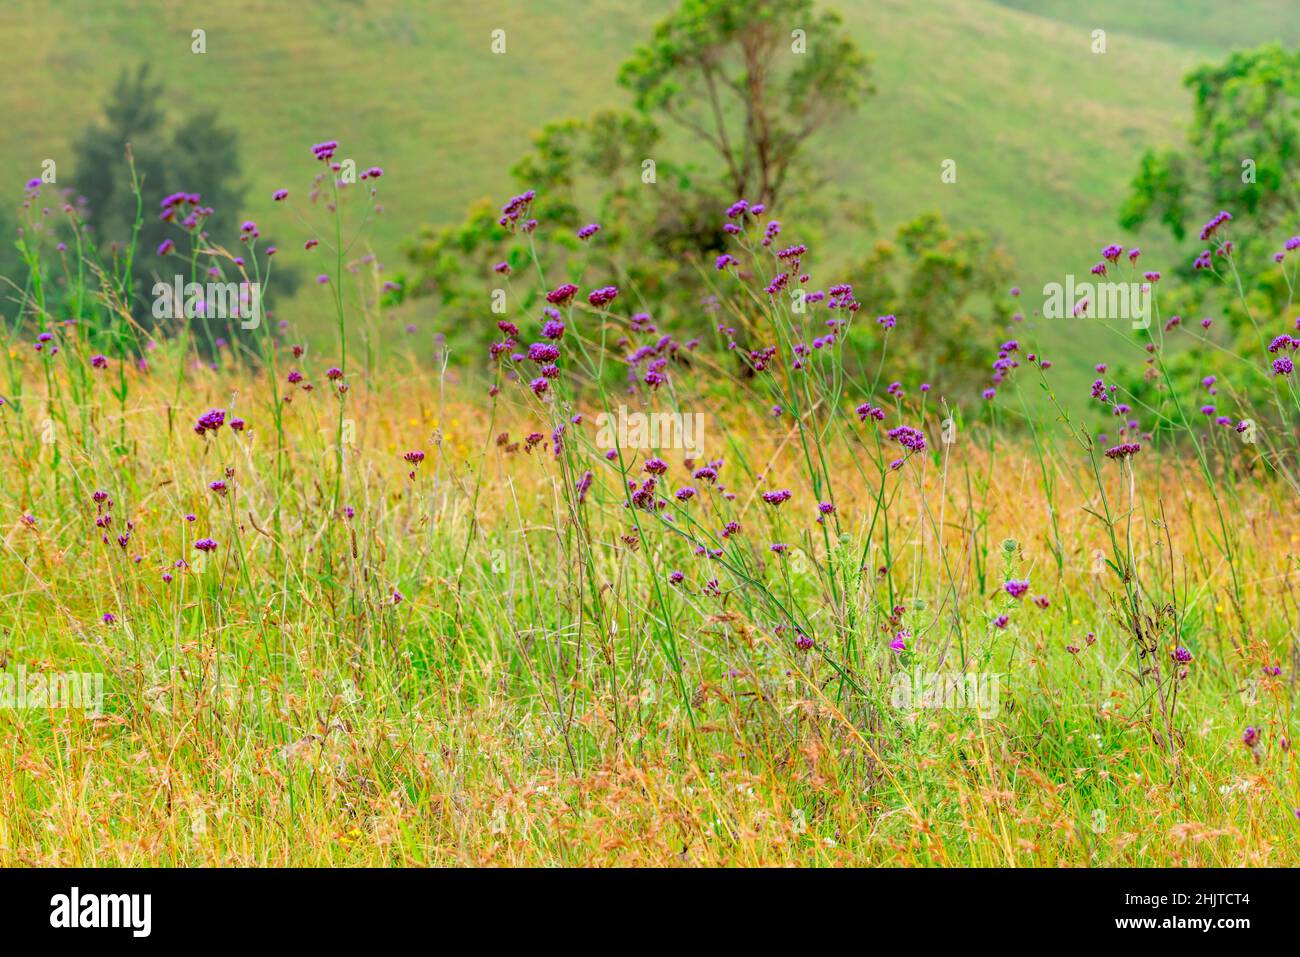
{"x": 1208, "y": 25}
{"x": 1045, "y": 133}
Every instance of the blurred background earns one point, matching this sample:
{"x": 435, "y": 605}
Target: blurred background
{"x": 1054, "y": 143}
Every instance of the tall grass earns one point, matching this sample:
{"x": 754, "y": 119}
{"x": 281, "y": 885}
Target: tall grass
{"x": 443, "y": 623}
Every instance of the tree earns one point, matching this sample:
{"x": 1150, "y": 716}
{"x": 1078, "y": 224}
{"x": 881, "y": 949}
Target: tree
{"x": 196, "y": 154}
{"x": 945, "y": 289}
{"x": 753, "y": 81}
{"x": 1243, "y": 148}
{"x": 1243, "y": 156}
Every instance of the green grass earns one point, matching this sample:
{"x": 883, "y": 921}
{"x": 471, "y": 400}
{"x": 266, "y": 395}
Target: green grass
{"x": 480, "y": 653}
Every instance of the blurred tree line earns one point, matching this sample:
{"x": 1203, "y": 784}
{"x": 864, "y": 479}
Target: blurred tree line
{"x": 1242, "y": 155}
{"x": 192, "y": 153}
{"x": 754, "y": 87}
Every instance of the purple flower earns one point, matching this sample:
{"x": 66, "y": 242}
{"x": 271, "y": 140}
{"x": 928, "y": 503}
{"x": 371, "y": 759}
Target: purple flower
{"x": 1016, "y": 588}
{"x": 325, "y": 151}
{"x": 543, "y": 353}
{"x": 777, "y": 497}
{"x": 908, "y": 438}
{"x": 586, "y": 232}
{"x": 206, "y": 545}
{"x": 603, "y": 296}
{"x": 562, "y": 294}
{"x": 210, "y": 421}
{"x": 1218, "y": 220}
{"x": 1123, "y": 450}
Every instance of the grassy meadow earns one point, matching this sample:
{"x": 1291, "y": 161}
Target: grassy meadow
{"x": 606, "y": 595}
{"x": 351, "y": 612}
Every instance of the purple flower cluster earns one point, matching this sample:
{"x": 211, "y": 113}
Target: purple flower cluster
{"x": 210, "y": 421}
{"x": 562, "y": 294}
{"x": 603, "y": 296}
{"x": 325, "y": 151}
{"x": 1215, "y": 222}
{"x": 908, "y": 437}
{"x": 515, "y": 209}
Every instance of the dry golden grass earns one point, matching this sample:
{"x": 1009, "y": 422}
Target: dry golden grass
{"x": 277, "y": 707}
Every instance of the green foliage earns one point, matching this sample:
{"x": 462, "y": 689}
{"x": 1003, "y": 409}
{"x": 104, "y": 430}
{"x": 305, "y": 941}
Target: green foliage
{"x": 1159, "y": 191}
{"x": 1242, "y": 155}
{"x": 1243, "y": 147}
{"x": 947, "y": 290}
{"x": 730, "y": 76}
{"x": 196, "y": 154}
{"x": 753, "y": 81}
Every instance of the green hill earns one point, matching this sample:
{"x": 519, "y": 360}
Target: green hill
{"x": 1045, "y": 132}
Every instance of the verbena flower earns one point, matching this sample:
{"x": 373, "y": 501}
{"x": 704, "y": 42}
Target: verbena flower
{"x": 1017, "y": 588}
{"x": 562, "y": 294}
